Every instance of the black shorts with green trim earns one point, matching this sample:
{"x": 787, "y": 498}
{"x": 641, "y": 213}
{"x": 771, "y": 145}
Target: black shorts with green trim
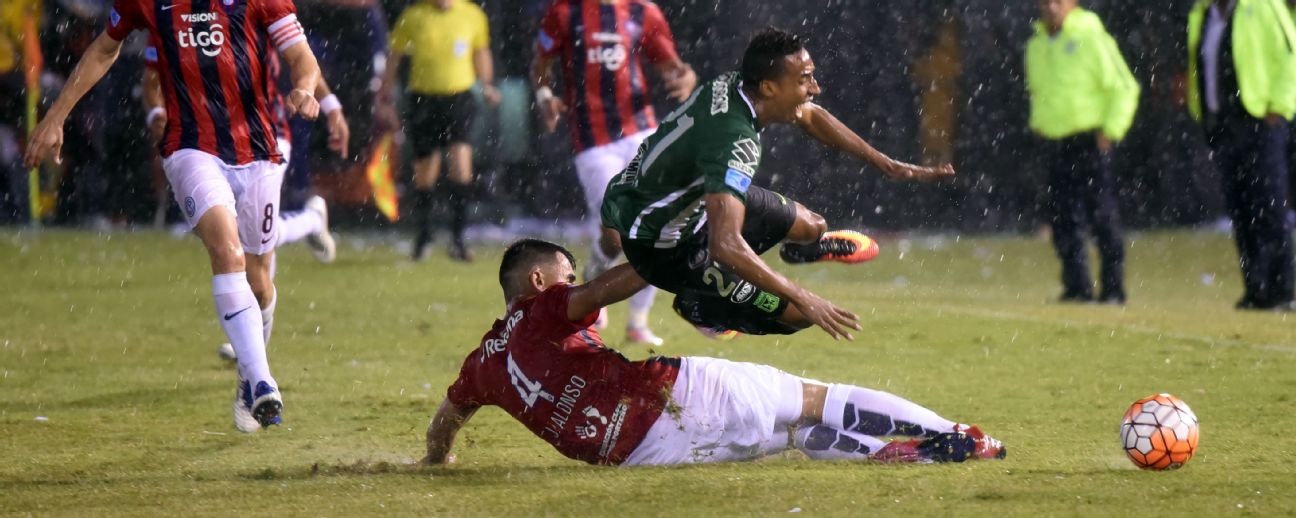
{"x": 709, "y": 295}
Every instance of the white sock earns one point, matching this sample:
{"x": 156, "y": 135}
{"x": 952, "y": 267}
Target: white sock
{"x": 295, "y": 226}
{"x": 879, "y": 414}
{"x": 237, "y": 312}
{"x": 267, "y": 315}
{"x": 640, "y": 304}
{"x": 822, "y": 442}
{"x": 598, "y": 263}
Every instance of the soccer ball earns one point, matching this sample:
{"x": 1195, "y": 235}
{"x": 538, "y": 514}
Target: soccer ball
{"x": 1159, "y": 432}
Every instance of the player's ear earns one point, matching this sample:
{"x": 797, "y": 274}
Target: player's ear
{"x": 536, "y": 278}
{"x": 768, "y": 88}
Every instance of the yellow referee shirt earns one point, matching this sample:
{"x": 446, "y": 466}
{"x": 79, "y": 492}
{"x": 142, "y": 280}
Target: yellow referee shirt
{"x": 440, "y": 45}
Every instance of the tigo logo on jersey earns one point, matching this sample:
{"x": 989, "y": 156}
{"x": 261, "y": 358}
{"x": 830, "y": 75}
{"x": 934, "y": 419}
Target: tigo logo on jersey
{"x": 208, "y": 41}
{"x": 611, "y": 52}
{"x": 114, "y": 17}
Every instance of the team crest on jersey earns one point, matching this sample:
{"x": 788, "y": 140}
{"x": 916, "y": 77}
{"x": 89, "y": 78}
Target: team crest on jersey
{"x": 189, "y": 206}
{"x": 746, "y": 155}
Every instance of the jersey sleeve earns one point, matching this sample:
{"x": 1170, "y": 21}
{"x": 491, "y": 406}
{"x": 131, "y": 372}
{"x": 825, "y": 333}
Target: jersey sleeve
{"x": 464, "y": 391}
{"x": 553, "y": 31}
{"x": 401, "y": 39}
{"x": 728, "y": 159}
{"x": 481, "y": 40}
{"x": 549, "y": 313}
{"x": 279, "y": 17}
{"x": 124, "y": 18}
{"x": 658, "y": 42}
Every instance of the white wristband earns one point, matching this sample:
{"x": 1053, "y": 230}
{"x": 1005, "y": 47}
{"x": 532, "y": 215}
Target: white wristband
{"x": 156, "y": 112}
{"x": 543, "y": 94}
{"x": 330, "y": 104}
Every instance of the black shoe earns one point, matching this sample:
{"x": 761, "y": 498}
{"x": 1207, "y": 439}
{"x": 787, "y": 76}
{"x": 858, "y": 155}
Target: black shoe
{"x": 1250, "y": 304}
{"x": 1114, "y": 299}
{"x": 948, "y": 447}
{"x": 1075, "y": 298}
{"x": 421, "y": 242}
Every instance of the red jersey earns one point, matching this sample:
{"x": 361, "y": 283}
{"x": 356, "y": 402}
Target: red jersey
{"x": 557, "y": 378}
{"x": 278, "y": 112}
{"x": 600, "y": 47}
{"x": 210, "y": 57}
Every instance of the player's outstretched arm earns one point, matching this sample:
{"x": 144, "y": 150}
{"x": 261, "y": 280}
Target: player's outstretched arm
{"x": 725, "y": 214}
{"x": 679, "y": 78}
{"x": 305, "y": 77}
{"x": 47, "y": 139}
{"x": 441, "y": 432}
{"x": 338, "y": 129}
{"x": 824, "y": 127}
{"x": 550, "y": 106}
{"x": 154, "y": 103}
{"x": 613, "y": 286}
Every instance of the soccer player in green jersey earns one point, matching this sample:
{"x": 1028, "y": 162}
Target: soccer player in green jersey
{"x": 691, "y": 222}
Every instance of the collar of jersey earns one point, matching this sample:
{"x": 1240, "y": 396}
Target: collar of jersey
{"x": 747, "y": 101}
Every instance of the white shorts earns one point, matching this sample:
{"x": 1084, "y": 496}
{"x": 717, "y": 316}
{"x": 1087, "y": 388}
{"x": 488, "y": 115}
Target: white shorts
{"x": 597, "y": 165}
{"x": 250, "y": 192}
{"x": 729, "y": 411}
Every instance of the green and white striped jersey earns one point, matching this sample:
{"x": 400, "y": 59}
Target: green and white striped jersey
{"x": 710, "y": 144}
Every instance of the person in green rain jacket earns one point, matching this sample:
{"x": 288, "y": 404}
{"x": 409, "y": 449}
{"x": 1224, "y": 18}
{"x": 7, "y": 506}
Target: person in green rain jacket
{"x": 1083, "y": 98}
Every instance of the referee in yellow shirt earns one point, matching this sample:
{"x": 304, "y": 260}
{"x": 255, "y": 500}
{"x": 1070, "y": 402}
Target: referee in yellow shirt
{"x": 448, "y": 44}
{"x": 1082, "y": 98}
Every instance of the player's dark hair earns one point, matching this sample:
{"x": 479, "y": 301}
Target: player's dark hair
{"x": 763, "y": 60}
{"x": 525, "y": 253}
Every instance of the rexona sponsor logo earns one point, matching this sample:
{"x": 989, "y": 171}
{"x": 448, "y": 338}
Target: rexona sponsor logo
{"x": 210, "y": 41}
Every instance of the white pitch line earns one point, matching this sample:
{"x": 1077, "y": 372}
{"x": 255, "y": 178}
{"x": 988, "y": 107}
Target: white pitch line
{"x": 1133, "y": 328}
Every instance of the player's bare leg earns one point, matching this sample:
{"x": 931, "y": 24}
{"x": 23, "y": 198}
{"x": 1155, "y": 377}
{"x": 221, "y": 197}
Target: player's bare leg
{"x": 845, "y": 422}
{"x": 234, "y": 300}
{"x": 426, "y": 171}
{"x": 459, "y": 185}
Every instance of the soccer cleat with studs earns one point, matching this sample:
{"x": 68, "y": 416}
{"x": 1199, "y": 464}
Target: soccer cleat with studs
{"x": 321, "y": 244}
{"x": 267, "y": 405}
{"x": 987, "y": 447}
{"x": 643, "y": 336}
{"x": 243, "y": 419}
{"x": 843, "y": 246}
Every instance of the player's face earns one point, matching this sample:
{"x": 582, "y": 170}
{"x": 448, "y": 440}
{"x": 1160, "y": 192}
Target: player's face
{"x": 562, "y": 271}
{"x": 1053, "y": 12}
{"x": 797, "y": 86}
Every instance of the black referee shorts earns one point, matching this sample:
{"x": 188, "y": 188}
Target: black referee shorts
{"x": 708, "y": 294}
{"x": 436, "y": 121}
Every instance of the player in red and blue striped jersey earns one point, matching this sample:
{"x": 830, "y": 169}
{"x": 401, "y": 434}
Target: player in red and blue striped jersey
{"x": 219, "y": 150}
{"x": 601, "y": 46}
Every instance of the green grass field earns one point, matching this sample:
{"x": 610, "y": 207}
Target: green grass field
{"x": 113, "y": 401}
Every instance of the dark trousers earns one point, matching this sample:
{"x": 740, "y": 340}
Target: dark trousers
{"x": 1082, "y": 195}
{"x": 1252, "y": 159}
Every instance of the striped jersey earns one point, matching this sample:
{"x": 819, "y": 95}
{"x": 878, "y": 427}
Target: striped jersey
{"x": 710, "y": 144}
{"x": 274, "y": 69}
{"x": 600, "y": 46}
{"x": 211, "y": 58}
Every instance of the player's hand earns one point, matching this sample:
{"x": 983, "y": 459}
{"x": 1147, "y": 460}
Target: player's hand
{"x": 834, "y": 320}
{"x": 157, "y": 127}
{"x": 429, "y": 460}
{"x": 45, "y": 142}
{"x": 339, "y": 133}
{"x": 682, "y": 82}
{"x": 897, "y": 170}
{"x": 302, "y": 103}
{"x": 491, "y": 94}
{"x": 1104, "y": 143}
{"x": 550, "y": 111}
